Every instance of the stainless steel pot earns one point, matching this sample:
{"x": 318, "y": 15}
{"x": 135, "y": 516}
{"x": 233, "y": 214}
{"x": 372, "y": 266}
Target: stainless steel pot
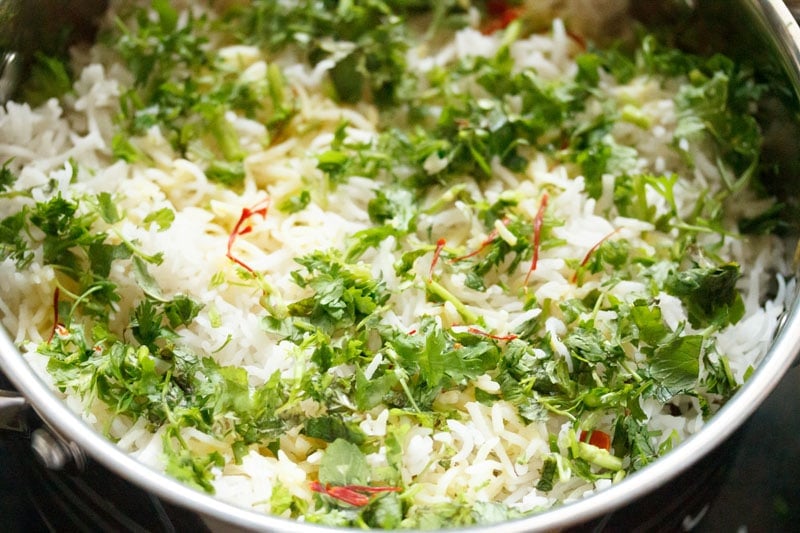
{"x": 65, "y": 441}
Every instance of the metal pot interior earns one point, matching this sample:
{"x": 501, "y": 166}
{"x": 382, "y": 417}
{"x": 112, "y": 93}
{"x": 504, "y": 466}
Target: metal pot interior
{"x": 763, "y": 27}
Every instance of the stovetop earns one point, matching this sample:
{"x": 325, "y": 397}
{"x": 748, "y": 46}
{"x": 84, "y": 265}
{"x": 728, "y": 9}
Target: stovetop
{"x": 760, "y": 493}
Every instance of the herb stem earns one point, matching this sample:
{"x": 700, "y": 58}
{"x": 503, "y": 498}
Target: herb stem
{"x": 437, "y": 289}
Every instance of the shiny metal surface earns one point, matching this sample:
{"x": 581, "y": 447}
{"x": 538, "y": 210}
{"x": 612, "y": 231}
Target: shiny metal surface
{"x": 10, "y": 72}
{"x": 775, "y": 19}
{"x": 25, "y": 32}
{"x": 56, "y": 452}
{"x": 12, "y": 409}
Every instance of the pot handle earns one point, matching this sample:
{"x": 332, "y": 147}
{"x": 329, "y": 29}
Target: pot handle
{"x": 13, "y": 410}
{"x": 50, "y": 449}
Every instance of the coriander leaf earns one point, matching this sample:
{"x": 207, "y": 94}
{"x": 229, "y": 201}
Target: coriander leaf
{"x": 343, "y": 464}
{"x": 590, "y": 345}
{"x": 102, "y": 255}
{"x": 432, "y": 358}
{"x": 363, "y": 240}
{"x": 713, "y": 106}
{"x": 396, "y": 206}
{"x": 192, "y": 469}
{"x": 146, "y": 281}
{"x": 649, "y": 322}
{"x": 181, "y": 310}
{"x": 107, "y": 208}
{"x": 163, "y": 218}
{"x": 146, "y": 323}
{"x": 281, "y": 499}
{"x": 12, "y": 243}
{"x": 370, "y": 393}
{"x": 385, "y": 512}
{"x": 547, "y": 475}
{"x": 7, "y": 177}
{"x": 366, "y": 41}
{"x": 675, "y": 365}
{"x": 709, "y": 294}
{"x": 493, "y": 512}
{"x": 344, "y": 294}
{"x": 632, "y": 438}
{"x": 228, "y": 173}
{"x": 49, "y": 78}
{"x": 330, "y": 428}
{"x": 296, "y": 203}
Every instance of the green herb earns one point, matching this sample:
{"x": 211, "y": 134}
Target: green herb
{"x": 7, "y": 177}
{"x": 296, "y": 203}
{"x": 163, "y": 218}
{"x": 49, "y": 78}
{"x": 344, "y": 294}
{"x": 709, "y": 294}
{"x": 676, "y": 363}
{"x": 186, "y": 90}
{"x": 343, "y": 464}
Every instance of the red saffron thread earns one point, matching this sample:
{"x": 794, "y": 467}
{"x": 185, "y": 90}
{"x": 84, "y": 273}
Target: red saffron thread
{"x": 436, "y": 253}
{"x": 579, "y": 40}
{"x": 352, "y": 494}
{"x": 476, "y": 331}
{"x": 56, "y": 294}
{"x": 489, "y": 240}
{"x": 537, "y": 235}
{"x": 501, "y": 15}
{"x": 372, "y": 489}
{"x": 591, "y": 251}
{"x": 261, "y": 208}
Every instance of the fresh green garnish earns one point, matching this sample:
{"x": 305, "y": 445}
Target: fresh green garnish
{"x": 520, "y": 259}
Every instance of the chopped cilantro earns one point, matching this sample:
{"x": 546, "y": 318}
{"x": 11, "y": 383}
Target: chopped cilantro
{"x": 586, "y": 353}
{"x": 709, "y": 294}
{"x": 343, "y": 464}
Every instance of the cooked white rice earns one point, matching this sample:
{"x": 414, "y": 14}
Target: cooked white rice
{"x": 484, "y": 451}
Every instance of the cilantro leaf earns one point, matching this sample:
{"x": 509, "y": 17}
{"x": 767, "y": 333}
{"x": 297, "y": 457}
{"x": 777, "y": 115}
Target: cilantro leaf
{"x": 675, "y": 365}
{"x": 7, "y": 177}
{"x": 709, "y": 294}
{"x": 590, "y": 345}
{"x": 344, "y": 294}
{"x": 192, "y": 469}
{"x": 181, "y": 310}
{"x": 343, "y": 464}
{"x": 49, "y": 78}
{"x": 294, "y": 204}
{"x": 649, "y": 322}
{"x": 330, "y": 428}
{"x": 146, "y": 281}
{"x": 163, "y": 218}
{"x": 12, "y": 243}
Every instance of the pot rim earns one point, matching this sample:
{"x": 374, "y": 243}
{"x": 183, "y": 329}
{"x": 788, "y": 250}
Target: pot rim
{"x": 772, "y": 15}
